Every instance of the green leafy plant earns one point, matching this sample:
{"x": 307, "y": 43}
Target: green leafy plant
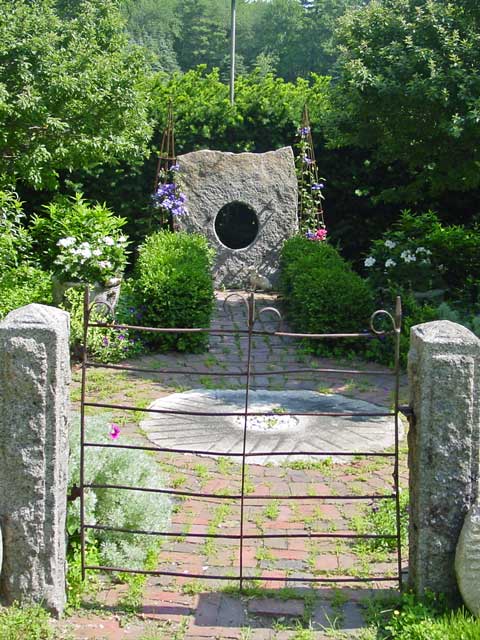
{"x": 15, "y": 241}
{"x": 21, "y": 622}
{"x": 381, "y": 519}
{"x": 115, "y": 508}
{"x": 105, "y": 344}
{"x": 426, "y": 618}
{"x": 22, "y": 285}
{"x": 174, "y": 283}
{"x": 81, "y": 242}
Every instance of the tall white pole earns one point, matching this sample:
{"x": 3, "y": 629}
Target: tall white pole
{"x": 232, "y": 53}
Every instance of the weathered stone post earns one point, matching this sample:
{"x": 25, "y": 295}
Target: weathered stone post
{"x": 444, "y": 375}
{"x": 34, "y": 379}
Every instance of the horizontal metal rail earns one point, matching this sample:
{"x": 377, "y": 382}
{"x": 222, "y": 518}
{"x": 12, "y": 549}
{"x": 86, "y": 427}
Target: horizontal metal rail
{"x": 203, "y": 576}
{"x": 196, "y": 494}
{"x": 105, "y": 445}
{"x": 368, "y": 335}
{"x": 246, "y": 536}
{"x": 210, "y": 414}
{"x": 238, "y": 374}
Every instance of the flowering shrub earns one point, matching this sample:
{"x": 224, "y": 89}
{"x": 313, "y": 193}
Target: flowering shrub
{"x": 123, "y": 509}
{"x": 420, "y": 254}
{"x": 81, "y": 242}
{"x": 310, "y": 188}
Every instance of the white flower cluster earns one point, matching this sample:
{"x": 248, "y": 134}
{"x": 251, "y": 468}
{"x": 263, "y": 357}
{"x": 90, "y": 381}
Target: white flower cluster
{"x": 408, "y": 256}
{"x": 100, "y": 254}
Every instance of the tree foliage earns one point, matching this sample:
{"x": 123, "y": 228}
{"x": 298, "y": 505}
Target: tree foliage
{"x": 71, "y": 91}
{"x": 409, "y": 94}
{"x": 291, "y": 37}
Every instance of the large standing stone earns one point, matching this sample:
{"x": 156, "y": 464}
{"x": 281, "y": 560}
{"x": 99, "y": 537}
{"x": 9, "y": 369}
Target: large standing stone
{"x": 34, "y": 379}
{"x": 467, "y": 560}
{"x": 443, "y": 449}
{"x": 266, "y": 183}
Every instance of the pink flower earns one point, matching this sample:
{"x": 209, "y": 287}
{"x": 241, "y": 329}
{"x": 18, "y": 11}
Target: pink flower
{"x": 114, "y": 431}
{"x": 321, "y": 234}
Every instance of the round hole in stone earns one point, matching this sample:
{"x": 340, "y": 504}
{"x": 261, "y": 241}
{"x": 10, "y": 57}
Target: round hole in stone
{"x": 236, "y": 225}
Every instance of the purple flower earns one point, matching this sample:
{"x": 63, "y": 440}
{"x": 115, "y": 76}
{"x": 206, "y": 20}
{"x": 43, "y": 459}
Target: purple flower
{"x": 308, "y": 161}
{"x": 121, "y": 337}
{"x": 114, "y": 431}
{"x": 105, "y": 341}
{"x": 175, "y": 167}
{"x": 304, "y": 131}
{"x": 318, "y": 186}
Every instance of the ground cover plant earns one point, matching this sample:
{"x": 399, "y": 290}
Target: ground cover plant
{"x": 128, "y": 510}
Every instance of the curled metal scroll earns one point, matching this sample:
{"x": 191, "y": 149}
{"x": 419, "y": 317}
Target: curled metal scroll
{"x": 396, "y": 320}
{"x": 240, "y": 296}
{"x": 101, "y": 303}
{"x": 277, "y": 313}
{"x": 378, "y": 314}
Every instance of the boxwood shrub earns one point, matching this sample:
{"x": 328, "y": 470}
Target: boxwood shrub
{"x": 322, "y": 294}
{"x": 174, "y": 282}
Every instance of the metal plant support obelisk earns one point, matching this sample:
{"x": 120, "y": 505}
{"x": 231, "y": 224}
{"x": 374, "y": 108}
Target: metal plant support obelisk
{"x": 166, "y": 160}
{"x": 310, "y": 185}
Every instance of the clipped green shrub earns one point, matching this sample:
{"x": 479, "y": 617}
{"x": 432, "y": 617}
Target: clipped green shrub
{"x": 322, "y": 293}
{"x": 117, "y": 508}
{"x": 298, "y": 253}
{"x": 22, "y": 285}
{"x": 175, "y": 285}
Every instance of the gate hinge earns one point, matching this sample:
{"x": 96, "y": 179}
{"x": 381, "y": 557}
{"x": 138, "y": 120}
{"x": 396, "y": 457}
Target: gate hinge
{"x": 75, "y": 493}
{"x": 408, "y": 412}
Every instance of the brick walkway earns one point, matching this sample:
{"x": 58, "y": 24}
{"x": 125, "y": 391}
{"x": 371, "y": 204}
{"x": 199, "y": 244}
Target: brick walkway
{"x": 279, "y": 606}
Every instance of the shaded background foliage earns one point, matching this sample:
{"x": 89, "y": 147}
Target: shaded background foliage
{"x": 395, "y": 125}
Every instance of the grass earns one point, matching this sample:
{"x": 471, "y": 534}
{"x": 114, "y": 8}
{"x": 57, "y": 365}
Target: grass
{"x": 29, "y": 622}
{"x": 272, "y": 510}
{"x": 410, "y": 618}
{"x": 325, "y": 465}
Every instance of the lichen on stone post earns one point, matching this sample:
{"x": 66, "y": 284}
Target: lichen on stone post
{"x": 34, "y": 380}
{"x": 444, "y": 379}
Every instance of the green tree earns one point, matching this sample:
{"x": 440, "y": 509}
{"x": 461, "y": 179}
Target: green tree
{"x": 409, "y": 92}
{"x": 203, "y": 38}
{"x": 154, "y": 25}
{"x": 72, "y": 90}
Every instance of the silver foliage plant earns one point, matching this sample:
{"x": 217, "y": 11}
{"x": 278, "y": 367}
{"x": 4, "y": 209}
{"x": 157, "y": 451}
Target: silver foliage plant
{"x": 112, "y": 507}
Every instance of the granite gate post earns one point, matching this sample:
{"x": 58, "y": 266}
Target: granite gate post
{"x": 34, "y": 379}
{"x": 444, "y": 376}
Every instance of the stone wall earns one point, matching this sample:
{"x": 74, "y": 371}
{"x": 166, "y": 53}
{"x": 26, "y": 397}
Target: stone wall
{"x": 444, "y": 376}
{"x": 265, "y": 183}
{"x": 34, "y": 379}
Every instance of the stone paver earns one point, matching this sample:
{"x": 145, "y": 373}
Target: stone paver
{"x": 201, "y": 608}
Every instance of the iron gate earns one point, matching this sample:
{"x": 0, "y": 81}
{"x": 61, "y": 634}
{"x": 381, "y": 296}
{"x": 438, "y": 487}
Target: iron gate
{"x": 249, "y": 332}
